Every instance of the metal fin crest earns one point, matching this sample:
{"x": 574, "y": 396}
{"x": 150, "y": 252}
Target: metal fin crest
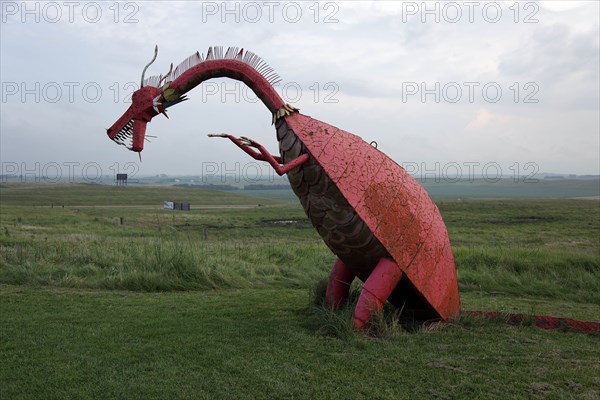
{"x": 216, "y": 53}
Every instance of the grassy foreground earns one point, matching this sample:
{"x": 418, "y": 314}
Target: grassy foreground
{"x": 248, "y": 344}
{"x": 112, "y": 297}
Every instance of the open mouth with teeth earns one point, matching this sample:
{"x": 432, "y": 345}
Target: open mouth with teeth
{"x": 125, "y": 136}
{"x": 130, "y": 129}
{"x": 131, "y": 135}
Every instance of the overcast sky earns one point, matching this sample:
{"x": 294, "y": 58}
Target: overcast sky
{"x": 439, "y": 86}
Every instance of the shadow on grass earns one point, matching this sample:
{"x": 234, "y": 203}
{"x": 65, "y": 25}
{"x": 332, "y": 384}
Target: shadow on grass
{"x": 390, "y": 323}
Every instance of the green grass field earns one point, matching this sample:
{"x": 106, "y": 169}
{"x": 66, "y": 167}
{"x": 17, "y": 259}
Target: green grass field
{"x": 112, "y": 297}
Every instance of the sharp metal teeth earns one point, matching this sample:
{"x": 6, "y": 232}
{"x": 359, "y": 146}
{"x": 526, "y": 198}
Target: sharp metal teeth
{"x": 155, "y": 102}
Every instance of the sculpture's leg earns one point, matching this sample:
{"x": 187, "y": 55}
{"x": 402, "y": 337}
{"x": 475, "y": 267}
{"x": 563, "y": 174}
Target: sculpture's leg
{"x": 376, "y": 290}
{"x": 338, "y": 285}
{"x": 263, "y": 155}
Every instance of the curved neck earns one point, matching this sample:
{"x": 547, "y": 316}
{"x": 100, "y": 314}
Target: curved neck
{"x": 233, "y": 69}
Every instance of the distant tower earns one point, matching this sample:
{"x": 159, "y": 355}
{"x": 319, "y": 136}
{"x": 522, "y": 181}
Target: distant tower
{"x": 121, "y": 179}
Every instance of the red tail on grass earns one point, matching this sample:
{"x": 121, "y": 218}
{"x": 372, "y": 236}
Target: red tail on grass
{"x": 541, "y": 321}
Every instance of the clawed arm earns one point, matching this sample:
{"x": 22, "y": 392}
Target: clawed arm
{"x": 249, "y": 146}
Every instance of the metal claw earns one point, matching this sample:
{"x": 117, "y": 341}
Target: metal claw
{"x": 246, "y": 141}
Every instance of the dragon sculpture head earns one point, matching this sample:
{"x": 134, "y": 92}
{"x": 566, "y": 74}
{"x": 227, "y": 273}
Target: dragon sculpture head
{"x": 146, "y": 103}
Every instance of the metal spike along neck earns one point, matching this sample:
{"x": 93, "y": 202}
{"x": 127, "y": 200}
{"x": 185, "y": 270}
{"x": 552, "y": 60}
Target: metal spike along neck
{"x": 284, "y": 111}
{"x": 216, "y": 53}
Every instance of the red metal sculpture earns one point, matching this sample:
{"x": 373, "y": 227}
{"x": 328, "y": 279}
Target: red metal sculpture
{"x": 381, "y": 224}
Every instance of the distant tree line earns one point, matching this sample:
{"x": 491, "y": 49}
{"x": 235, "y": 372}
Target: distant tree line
{"x": 266, "y": 187}
{"x": 227, "y": 188}
{"x": 210, "y": 186}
